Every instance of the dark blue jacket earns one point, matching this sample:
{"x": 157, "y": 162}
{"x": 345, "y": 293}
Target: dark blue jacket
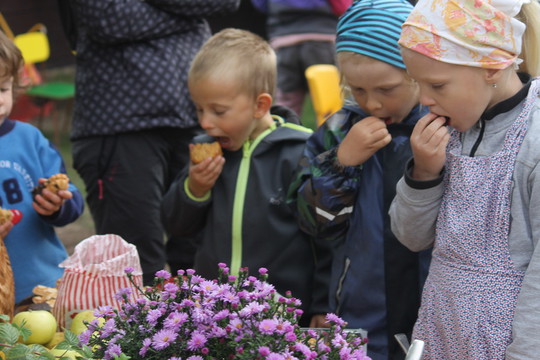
{"x": 246, "y": 221}
{"x": 376, "y": 282}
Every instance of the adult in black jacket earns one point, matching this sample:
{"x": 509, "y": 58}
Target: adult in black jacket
{"x": 133, "y": 114}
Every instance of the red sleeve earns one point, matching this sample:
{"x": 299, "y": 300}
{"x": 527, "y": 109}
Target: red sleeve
{"x": 339, "y": 6}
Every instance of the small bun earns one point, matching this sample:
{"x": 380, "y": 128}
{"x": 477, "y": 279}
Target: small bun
{"x": 199, "y": 152}
{"x": 5, "y": 216}
{"x": 54, "y": 184}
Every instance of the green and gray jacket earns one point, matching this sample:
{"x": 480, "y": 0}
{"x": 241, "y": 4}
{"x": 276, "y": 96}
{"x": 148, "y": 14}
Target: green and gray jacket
{"x": 246, "y": 222}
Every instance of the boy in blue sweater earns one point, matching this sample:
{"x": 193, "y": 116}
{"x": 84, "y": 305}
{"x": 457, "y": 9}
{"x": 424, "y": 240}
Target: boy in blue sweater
{"x": 27, "y": 158}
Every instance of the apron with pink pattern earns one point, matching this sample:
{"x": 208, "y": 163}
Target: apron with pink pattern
{"x": 470, "y": 295}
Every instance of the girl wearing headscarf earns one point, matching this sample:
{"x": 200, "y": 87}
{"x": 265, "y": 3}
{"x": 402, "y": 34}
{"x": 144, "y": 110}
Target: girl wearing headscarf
{"x": 472, "y": 190}
{"x": 348, "y": 174}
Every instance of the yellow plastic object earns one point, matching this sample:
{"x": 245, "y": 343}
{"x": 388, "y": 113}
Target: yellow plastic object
{"x": 325, "y": 91}
{"x": 34, "y": 46}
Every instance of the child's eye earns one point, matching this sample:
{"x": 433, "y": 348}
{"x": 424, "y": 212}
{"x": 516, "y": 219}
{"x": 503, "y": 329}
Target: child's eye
{"x": 387, "y": 90}
{"x": 437, "y": 86}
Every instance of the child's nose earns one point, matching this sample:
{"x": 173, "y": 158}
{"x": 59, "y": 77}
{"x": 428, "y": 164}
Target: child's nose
{"x": 205, "y": 122}
{"x": 426, "y": 100}
{"x": 372, "y": 104}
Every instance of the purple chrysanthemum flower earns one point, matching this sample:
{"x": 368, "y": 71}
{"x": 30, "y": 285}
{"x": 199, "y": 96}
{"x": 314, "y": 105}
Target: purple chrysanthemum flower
{"x": 335, "y": 319}
{"x": 290, "y": 336}
{"x": 146, "y": 345}
{"x": 196, "y": 279}
{"x": 218, "y": 332}
{"x": 264, "y": 350}
{"x": 263, "y": 271}
{"x": 195, "y": 357}
{"x": 187, "y": 303}
{"x": 267, "y": 326}
{"x": 129, "y": 270}
{"x": 123, "y": 294}
{"x": 222, "y": 314}
{"x": 163, "y": 339}
{"x": 197, "y": 341}
{"x": 207, "y": 286}
{"x": 171, "y": 288}
{"x": 251, "y": 308}
{"x": 322, "y": 347}
{"x": 112, "y": 351}
{"x": 236, "y": 324}
{"x": 103, "y": 311}
{"x": 175, "y": 320}
{"x": 275, "y": 356}
{"x": 108, "y": 328}
{"x": 85, "y": 336}
{"x": 163, "y": 274}
{"x": 303, "y": 348}
{"x": 153, "y": 316}
{"x": 338, "y": 340}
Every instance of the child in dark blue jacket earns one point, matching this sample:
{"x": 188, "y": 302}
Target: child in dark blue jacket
{"x": 348, "y": 175}
{"x": 238, "y": 201}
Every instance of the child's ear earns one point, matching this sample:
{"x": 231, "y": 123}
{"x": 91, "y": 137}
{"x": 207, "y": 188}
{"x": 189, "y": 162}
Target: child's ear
{"x": 263, "y": 104}
{"x": 492, "y": 76}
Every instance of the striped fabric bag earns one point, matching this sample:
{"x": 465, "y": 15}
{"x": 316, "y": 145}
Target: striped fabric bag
{"x": 93, "y": 274}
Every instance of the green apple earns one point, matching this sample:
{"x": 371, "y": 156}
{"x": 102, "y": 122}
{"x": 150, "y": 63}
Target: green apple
{"x": 41, "y": 323}
{"x": 57, "y": 339}
{"x": 59, "y": 353}
{"x": 78, "y": 325}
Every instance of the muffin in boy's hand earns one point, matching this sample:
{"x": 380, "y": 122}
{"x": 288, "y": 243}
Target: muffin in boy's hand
{"x": 54, "y": 184}
{"x": 5, "y": 216}
{"x": 199, "y": 152}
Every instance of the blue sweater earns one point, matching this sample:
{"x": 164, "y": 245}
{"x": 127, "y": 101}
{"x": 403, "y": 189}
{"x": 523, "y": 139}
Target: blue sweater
{"x": 33, "y": 247}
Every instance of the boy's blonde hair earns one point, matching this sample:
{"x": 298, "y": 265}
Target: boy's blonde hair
{"x": 358, "y": 59}
{"x": 11, "y": 60}
{"x": 237, "y": 55}
{"x": 530, "y": 51}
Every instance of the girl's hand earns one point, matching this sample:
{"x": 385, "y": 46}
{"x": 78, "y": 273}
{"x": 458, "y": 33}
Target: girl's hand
{"x": 203, "y": 176}
{"x": 5, "y": 228}
{"x": 48, "y": 202}
{"x": 428, "y": 142}
{"x": 362, "y": 141}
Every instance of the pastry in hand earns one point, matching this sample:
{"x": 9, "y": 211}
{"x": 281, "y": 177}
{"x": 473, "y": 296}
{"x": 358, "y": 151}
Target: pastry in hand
{"x": 5, "y": 216}
{"x": 12, "y": 215}
{"x": 202, "y": 151}
{"x": 54, "y": 184}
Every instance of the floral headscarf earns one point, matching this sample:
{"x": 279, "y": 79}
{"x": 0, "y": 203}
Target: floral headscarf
{"x": 479, "y": 33}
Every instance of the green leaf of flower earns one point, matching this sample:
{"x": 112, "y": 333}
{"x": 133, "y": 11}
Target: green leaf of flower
{"x": 71, "y": 338}
{"x": 8, "y": 334}
{"x": 19, "y": 351}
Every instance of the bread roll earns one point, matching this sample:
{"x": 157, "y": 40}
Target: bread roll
{"x": 199, "y": 152}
